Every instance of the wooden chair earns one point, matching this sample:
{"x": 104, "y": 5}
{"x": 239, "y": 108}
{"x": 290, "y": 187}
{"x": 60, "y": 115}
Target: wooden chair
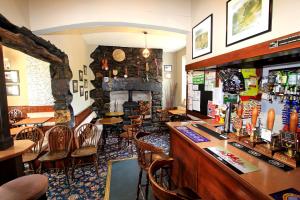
{"x": 161, "y": 184}
{"x": 15, "y": 115}
{"x": 131, "y": 131}
{"x": 147, "y": 153}
{"x": 37, "y": 136}
{"x": 59, "y": 142}
{"x": 87, "y": 139}
{"x": 163, "y": 118}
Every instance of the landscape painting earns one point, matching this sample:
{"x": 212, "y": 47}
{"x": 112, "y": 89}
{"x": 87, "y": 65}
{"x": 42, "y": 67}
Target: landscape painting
{"x": 246, "y": 19}
{"x": 202, "y": 37}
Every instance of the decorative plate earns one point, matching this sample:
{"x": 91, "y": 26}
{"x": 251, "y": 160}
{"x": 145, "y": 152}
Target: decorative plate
{"x": 118, "y": 55}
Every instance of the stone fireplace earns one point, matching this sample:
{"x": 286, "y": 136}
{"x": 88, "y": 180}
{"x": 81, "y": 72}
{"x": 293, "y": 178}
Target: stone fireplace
{"x": 141, "y": 85}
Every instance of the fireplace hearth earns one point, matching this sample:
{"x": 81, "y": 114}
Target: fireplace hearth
{"x": 130, "y": 107}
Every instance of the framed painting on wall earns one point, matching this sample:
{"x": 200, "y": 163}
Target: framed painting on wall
{"x": 80, "y": 75}
{"x": 168, "y": 68}
{"x": 75, "y": 86}
{"x": 11, "y": 76}
{"x": 81, "y": 90}
{"x": 13, "y": 90}
{"x": 202, "y": 37}
{"x": 85, "y": 83}
{"x": 246, "y": 19}
{"x": 84, "y": 69}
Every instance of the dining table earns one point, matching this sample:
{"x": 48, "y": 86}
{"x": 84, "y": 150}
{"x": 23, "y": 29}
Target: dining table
{"x": 108, "y": 123}
{"x": 114, "y": 114}
{"x": 16, "y": 130}
{"x": 39, "y": 121}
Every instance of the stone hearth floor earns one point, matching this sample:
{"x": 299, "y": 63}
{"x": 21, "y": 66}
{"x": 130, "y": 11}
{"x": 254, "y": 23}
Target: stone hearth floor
{"x": 86, "y": 184}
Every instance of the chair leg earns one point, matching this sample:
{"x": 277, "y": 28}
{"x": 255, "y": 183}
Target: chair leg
{"x": 96, "y": 165}
{"x": 73, "y": 167}
{"x": 139, "y": 184}
{"x": 147, "y": 187}
{"x": 66, "y": 169}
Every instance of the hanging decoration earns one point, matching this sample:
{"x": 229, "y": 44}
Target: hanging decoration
{"x": 125, "y": 72}
{"x": 146, "y": 52}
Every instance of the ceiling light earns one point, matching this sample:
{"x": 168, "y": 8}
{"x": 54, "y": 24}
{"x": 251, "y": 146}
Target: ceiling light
{"x": 146, "y": 52}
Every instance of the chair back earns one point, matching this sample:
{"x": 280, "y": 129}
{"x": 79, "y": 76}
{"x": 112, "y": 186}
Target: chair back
{"x": 34, "y": 134}
{"x": 60, "y": 138}
{"x": 164, "y": 115}
{"x": 15, "y": 115}
{"x": 87, "y": 135}
{"x": 143, "y": 148}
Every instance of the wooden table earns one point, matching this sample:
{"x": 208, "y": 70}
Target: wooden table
{"x": 114, "y": 114}
{"x": 107, "y": 123}
{"x": 177, "y": 112}
{"x": 211, "y": 122}
{"x": 34, "y": 121}
{"x": 11, "y": 165}
{"x": 195, "y": 168}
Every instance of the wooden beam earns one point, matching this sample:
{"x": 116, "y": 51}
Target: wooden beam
{"x": 26, "y": 45}
{"x": 249, "y": 54}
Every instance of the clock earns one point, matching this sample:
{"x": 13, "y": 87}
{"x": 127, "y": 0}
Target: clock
{"x": 118, "y": 55}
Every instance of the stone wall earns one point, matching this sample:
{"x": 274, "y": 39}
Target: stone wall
{"x": 138, "y": 79}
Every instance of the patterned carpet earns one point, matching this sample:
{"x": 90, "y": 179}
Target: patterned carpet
{"x": 86, "y": 184}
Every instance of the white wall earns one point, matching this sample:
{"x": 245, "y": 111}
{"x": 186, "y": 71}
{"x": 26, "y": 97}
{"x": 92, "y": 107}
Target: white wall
{"x": 167, "y": 84}
{"x": 284, "y": 21}
{"x": 76, "y": 49}
{"x": 172, "y": 14}
{"x": 16, "y": 11}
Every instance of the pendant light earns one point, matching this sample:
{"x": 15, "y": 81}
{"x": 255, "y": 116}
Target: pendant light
{"x": 146, "y": 52}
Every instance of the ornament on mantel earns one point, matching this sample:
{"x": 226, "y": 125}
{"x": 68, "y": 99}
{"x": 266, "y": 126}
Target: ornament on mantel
{"x": 104, "y": 62}
{"x": 115, "y": 73}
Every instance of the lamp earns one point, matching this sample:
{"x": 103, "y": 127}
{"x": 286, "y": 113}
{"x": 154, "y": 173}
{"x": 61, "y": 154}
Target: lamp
{"x": 146, "y": 52}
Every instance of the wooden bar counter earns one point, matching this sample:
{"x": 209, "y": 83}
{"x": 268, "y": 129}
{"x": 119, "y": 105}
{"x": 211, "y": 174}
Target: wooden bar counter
{"x": 211, "y": 179}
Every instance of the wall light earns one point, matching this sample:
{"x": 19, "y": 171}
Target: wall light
{"x": 146, "y": 52}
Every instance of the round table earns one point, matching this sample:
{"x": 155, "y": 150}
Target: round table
{"x": 109, "y": 121}
{"x": 114, "y": 114}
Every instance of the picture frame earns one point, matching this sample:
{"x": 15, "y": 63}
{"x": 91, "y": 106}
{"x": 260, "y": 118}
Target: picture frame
{"x": 86, "y": 95}
{"x": 11, "y": 76}
{"x": 81, "y": 90}
{"x": 85, "y": 83}
{"x": 80, "y": 75}
{"x": 75, "y": 86}
{"x": 13, "y": 90}
{"x": 168, "y": 68}
{"x": 202, "y": 37}
{"x": 246, "y": 19}
{"x": 84, "y": 69}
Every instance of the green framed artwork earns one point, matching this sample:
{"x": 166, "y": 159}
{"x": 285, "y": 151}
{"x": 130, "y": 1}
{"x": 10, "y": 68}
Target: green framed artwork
{"x": 202, "y": 37}
{"x": 246, "y": 19}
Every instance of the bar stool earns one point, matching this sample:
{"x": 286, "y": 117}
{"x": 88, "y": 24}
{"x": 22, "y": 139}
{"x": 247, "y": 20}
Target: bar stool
{"x": 147, "y": 153}
{"x": 26, "y": 187}
{"x": 161, "y": 183}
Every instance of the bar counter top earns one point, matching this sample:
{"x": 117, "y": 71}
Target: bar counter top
{"x": 267, "y": 179}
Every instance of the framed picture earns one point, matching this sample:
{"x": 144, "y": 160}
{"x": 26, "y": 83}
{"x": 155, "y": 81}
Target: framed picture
{"x": 84, "y": 69}
{"x": 81, "y": 90}
{"x": 85, "y": 83}
{"x": 75, "y": 86}
{"x": 80, "y": 75}
{"x": 246, "y": 19}
{"x": 11, "y": 76}
{"x": 202, "y": 37}
{"x": 168, "y": 68}
{"x": 86, "y": 95}
{"x": 13, "y": 90}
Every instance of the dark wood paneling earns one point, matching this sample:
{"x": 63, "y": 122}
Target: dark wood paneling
{"x": 259, "y": 54}
{"x": 194, "y": 168}
{"x": 81, "y": 116}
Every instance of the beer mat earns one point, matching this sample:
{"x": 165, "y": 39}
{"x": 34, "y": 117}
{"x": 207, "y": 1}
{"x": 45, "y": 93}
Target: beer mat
{"x": 195, "y": 137}
{"x": 237, "y": 164}
{"x": 210, "y": 132}
{"x": 288, "y": 194}
{"x": 269, "y": 160}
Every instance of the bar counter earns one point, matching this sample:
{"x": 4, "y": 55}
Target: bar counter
{"x": 197, "y": 169}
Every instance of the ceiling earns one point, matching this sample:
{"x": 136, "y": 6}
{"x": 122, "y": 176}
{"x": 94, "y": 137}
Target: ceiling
{"x": 129, "y": 37}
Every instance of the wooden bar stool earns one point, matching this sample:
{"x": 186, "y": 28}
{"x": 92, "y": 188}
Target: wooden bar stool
{"x": 162, "y": 186}
{"x": 26, "y": 187}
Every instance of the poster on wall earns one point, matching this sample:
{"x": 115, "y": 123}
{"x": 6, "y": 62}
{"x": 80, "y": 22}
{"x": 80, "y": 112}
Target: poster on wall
{"x": 198, "y": 77}
{"x": 246, "y": 19}
{"x": 210, "y": 80}
{"x": 202, "y": 37}
{"x": 196, "y": 100}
